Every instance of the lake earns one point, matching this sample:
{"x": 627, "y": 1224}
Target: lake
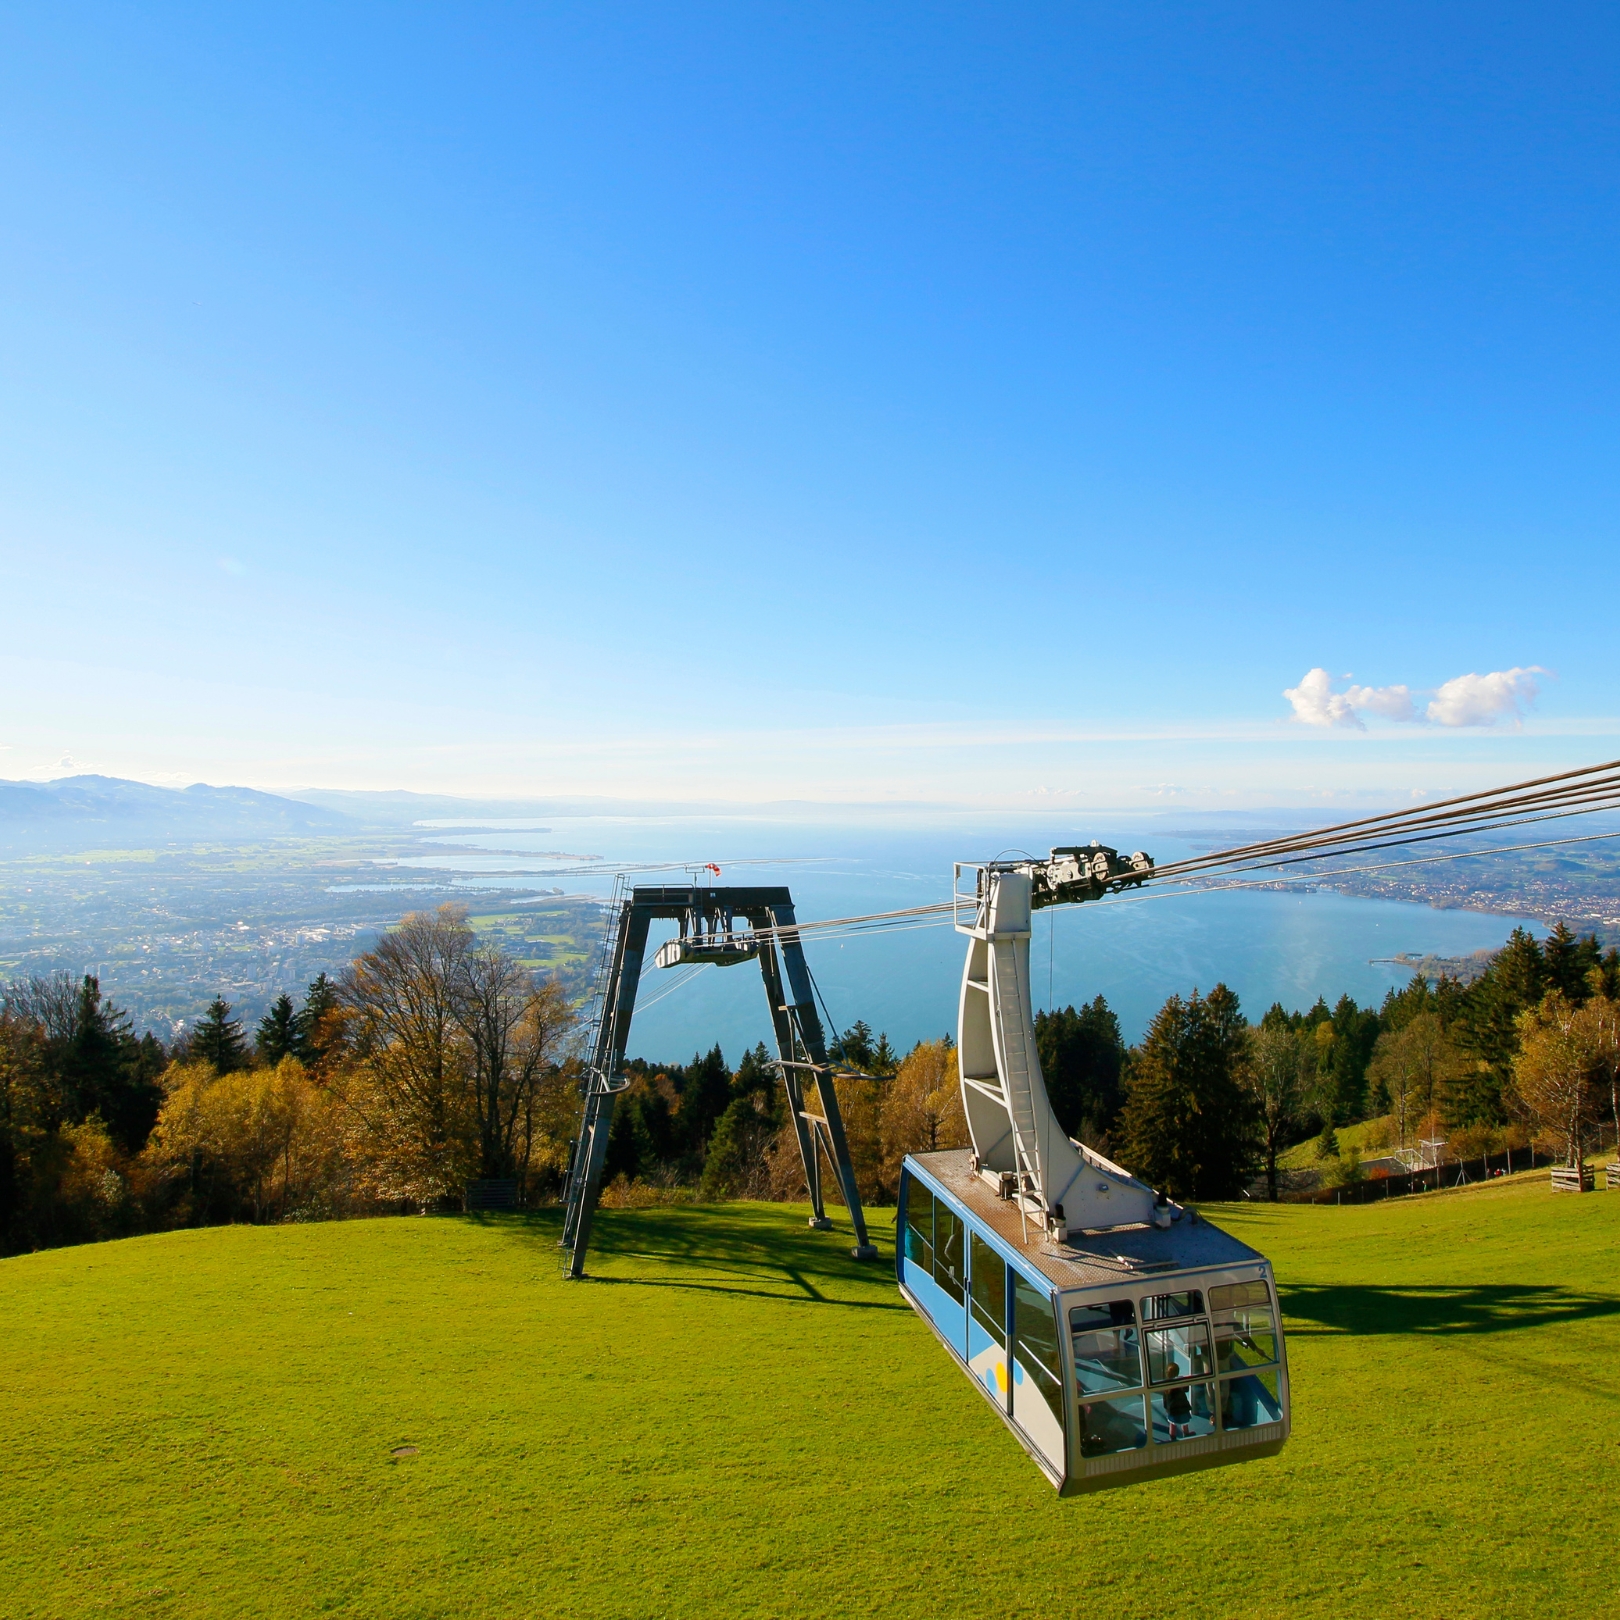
{"x": 1266, "y": 945}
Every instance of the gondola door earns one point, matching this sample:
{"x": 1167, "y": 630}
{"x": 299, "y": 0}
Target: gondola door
{"x": 1037, "y": 1370}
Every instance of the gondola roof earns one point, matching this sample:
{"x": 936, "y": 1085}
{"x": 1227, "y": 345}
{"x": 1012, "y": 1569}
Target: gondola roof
{"x": 1130, "y": 1255}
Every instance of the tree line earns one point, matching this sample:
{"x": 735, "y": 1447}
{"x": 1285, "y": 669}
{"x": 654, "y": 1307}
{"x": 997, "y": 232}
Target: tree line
{"x": 1531, "y": 1046}
{"x": 432, "y": 1060}
{"x": 436, "y": 1059}
{"x": 1203, "y": 1106}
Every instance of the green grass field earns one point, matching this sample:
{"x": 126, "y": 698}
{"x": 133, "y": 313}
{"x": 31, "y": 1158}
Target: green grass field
{"x": 734, "y": 1419}
{"x": 1303, "y": 1156}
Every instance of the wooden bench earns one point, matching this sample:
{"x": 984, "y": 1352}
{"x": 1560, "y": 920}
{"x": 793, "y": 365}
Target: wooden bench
{"x": 1611, "y": 1176}
{"x": 1571, "y": 1178}
{"x": 501, "y": 1194}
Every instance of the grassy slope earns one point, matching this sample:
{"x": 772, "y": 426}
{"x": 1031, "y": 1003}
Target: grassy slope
{"x": 1302, "y": 1155}
{"x": 734, "y": 1419}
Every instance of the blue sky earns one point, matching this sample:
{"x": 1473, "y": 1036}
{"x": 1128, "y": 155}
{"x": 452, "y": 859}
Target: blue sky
{"x": 999, "y": 404}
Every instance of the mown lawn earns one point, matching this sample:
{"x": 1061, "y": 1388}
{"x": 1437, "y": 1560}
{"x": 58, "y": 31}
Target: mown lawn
{"x": 734, "y": 1419}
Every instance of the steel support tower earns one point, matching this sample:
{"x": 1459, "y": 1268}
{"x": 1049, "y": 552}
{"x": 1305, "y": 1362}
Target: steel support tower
{"x": 708, "y": 919}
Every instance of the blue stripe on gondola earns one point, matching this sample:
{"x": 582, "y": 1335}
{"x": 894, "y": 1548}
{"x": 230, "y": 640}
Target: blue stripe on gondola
{"x": 943, "y": 1311}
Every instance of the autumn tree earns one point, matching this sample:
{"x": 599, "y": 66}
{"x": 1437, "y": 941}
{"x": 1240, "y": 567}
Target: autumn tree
{"x": 251, "y": 1144}
{"x": 452, "y": 1051}
{"x": 922, "y": 1108}
{"x": 517, "y": 1031}
{"x": 1601, "y": 1017}
{"x": 1415, "y": 1068}
{"x": 1557, "y": 1071}
{"x": 408, "y": 1081}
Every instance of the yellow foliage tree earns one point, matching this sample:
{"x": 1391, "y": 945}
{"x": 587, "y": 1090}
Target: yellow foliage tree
{"x": 262, "y": 1140}
{"x": 1414, "y": 1065}
{"x": 1559, "y": 1071}
{"x": 922, "y": 1110}
{"x": 455, "y": 1062}
{"x": 917, "y": 1109}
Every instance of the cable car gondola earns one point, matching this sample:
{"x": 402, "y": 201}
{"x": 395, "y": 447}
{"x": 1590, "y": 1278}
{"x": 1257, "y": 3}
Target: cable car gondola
{"x": 1119, "y": 1336}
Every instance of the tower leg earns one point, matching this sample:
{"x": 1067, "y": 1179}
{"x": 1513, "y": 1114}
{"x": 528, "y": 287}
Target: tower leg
{"x": 809, "y": 1025}
{"x": 787, "y": 1050}
{"x": 607, "y": 1058}
{"x": 588, "y": 1169}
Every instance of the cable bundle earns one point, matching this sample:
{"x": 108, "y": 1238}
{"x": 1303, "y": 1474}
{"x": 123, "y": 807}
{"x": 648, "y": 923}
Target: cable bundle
{"x": 1547, "y": 798}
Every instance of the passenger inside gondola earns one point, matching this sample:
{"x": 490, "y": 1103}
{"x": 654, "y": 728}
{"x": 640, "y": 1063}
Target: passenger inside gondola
{"x": 1248, "y": 1401}
{"x": 1246, "y": 1344}
{"x": 1176, "y": 1405}
{"x": 1186, "y": 1412}
{"x": 1110, "y": 1426}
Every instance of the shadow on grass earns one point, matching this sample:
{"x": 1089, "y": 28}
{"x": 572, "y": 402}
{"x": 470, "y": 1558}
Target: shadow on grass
{"x": 1485, "y": 1308}
{"x": 766, "y": 1254}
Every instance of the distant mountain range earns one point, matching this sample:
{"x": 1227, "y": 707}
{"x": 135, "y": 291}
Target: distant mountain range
{"x": 89, "y": 811}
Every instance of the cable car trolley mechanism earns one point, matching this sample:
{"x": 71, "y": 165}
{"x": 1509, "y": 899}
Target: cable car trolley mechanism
{"x": 1119, "y": 1336}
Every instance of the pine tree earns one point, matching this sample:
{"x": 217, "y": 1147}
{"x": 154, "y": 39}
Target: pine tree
{"x": 1483, "y": 1018}
{"x": 140, "y": 1093}
{"x": 1189, "y": 1124}
{"x": 1277, "y": 1017}
{"x": 705, "y": 1088}
{"x": 1402, "y": 1006}
{"x": 310, "y": 1044}
{"x": 855, "y": 1046}
{"x": 1355, "y": 1033}
{"x": 1487, "y": 1026}
{"x": 217, "y": 1039}
{"x": 1082, "y": 1060}
{"x": 1566, "y": 962}
{"x": 628, "y": 1151}
{"x": 734, "y": 1165}
{"x": 756, "y": 1078}
{"x": 107, "y": 1072}
{"x": 278, "y": 1031}
{"x": 650, "y": 1096}
{"x": 1607, "y": 982}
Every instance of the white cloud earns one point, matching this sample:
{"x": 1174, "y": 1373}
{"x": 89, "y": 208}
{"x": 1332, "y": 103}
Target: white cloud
{"x": 1391, "y": 702}
{"x": 1317, "y": 704}
{"x": 1482, "y": 700}
{"x": 1466, "y": 700}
